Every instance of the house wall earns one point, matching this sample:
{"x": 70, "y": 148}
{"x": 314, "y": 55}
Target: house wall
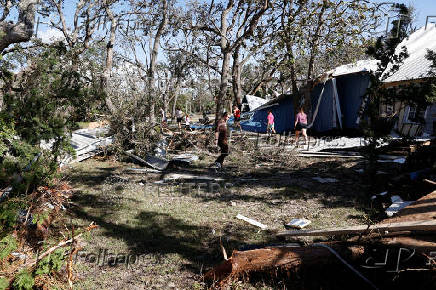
{"x": 430, "y": 120}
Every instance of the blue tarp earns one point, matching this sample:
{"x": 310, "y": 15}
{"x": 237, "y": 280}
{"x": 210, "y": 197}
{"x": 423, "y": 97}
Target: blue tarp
{"x": 283, "y": 111}
{"x": 351, "y": 89}
{"x": 324, "y": 117}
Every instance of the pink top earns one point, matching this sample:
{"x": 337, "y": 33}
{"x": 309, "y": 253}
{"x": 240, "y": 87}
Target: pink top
{"x": 301, "y": 118}
{"x": 270, "y": 119}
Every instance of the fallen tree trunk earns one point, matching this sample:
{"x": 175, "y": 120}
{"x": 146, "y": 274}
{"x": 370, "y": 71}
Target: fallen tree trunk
{"x": 270, "y": 259}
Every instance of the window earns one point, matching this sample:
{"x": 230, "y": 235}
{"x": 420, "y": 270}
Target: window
{"x": 416, "y": 115}
{"x": 389, "y": 110}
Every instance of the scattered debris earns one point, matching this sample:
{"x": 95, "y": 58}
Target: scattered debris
{"x": 328, "y": 155}
{"x": 401, "y": 160}
{"x": 188, "y": 176}
{"x": 251, "y": 221}
{"x": 152, "y": 161}
{"x": 298, "y": 223}
{"x": 143, "y": 170}
{"x": 325, "y": 180}
{"x": 188, "y": 158}
{"x": 397, "y": 205}
{"x": 86, "y": 143}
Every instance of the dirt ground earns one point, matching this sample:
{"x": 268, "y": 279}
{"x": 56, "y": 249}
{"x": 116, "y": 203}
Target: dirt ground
{"x": 154, "y": 234}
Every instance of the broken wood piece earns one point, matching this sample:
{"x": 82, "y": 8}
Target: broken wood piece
{"x": 426, "y": 225}
{"x": 328, "y": 155}
{"x": 251, "y": 221}
{"x": 430, "y": 181}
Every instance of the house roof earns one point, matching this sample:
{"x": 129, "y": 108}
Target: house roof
{"x": 416, "y": 66}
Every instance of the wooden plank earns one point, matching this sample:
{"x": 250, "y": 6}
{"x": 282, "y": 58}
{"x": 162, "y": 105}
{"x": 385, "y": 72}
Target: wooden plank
{"x": 426, "y": 225}
{"x": 251, "y": 221}
{"x": 328, "y": 156}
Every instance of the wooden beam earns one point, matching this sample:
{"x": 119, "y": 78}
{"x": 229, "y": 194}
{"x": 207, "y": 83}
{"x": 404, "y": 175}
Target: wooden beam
{"x": 427, "y": 225}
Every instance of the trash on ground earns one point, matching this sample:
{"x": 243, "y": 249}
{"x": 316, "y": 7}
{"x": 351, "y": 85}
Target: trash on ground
{"x": 251, "y": 221}
{"x": 143, "y": 170}
{"x": 298, "y": 223}
{"x": 188, "y": 176}
{"x": 396, "y": 207}
{"x": 188, "y": 158}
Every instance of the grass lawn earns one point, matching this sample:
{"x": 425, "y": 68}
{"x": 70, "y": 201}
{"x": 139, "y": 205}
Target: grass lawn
{"x": 163, "y": 236}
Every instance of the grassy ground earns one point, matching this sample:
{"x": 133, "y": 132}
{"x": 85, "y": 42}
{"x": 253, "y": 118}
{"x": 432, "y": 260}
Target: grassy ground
{"x": 170, "y": 234}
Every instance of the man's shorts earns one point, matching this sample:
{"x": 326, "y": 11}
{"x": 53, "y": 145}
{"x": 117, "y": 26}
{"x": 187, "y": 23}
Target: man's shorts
{"x": 270, "y": 126}
{"x": 179, "y": 120}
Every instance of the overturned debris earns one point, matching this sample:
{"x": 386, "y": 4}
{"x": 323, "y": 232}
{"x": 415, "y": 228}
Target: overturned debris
{"x": 151, "y": 161}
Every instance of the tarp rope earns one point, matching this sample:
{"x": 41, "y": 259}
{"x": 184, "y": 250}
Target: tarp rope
{"x": 317, "y": 106}
{"x": 346, "y": 263}
{"x": 338, "y": 105}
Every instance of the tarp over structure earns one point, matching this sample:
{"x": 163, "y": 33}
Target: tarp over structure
{"x": 250, "y": 103}
{"x": 282, "y": 109}
{"x": 337, "y": 100}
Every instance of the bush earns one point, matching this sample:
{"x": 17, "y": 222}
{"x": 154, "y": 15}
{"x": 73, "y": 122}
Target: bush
{"x": 23, "y": 281}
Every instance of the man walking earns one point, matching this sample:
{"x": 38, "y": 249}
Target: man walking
{"x": 221, "y": 140}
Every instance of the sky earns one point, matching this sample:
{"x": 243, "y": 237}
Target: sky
{"x": 424, "y": 8}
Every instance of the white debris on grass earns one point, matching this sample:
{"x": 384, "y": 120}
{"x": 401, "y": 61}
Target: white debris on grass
{"x": 186, "y": 158}
{"x": 188, "y": 176}
{"x": 334, "y": 143}
{"x": 298, "y": 223}
{"x": 252, "y": 222}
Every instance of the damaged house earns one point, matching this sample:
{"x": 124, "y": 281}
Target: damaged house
{"x": 336, "y": 100}
{"x": 413, "y": 121}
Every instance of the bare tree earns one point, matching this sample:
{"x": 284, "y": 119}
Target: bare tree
{"x": 228, "y": 27}
{"x": 315, "y": 35}
{"x": 20, "y": 31}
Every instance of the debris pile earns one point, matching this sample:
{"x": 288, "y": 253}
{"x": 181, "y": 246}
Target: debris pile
{"x": 29, "y": 226}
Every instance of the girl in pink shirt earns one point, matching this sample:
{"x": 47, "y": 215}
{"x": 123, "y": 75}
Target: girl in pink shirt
{"x": 270, "y": 126}
{"x": 300, "y": 125}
